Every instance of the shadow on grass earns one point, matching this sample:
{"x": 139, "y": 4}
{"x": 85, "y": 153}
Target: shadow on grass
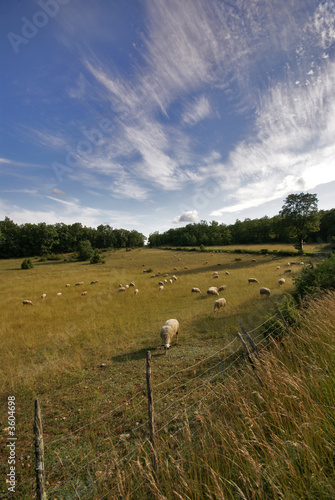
{"x": 139, "y": 354}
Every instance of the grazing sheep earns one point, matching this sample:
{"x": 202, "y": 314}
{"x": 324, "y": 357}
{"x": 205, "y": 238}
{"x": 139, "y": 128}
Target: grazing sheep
{"x": 252, "y": 280}
{"x": 281, "y": 281}
{"x": 185, "y": 267}
{"x": 170, "y": 281}
{"x": 253, "y": 260}
{"x": 94, "y": 282}
{"x": 122, "y": 289}
{"x": 265, "y": 291}
{"x": 174, "y": 277}
{"x": 215, "y": 276}
{"x": 67, "y": 285}
{"x": 161, "y": 288}
{"x": 212, "y": 291}
{"x": 136, "y": 291}
{"x": 79, "y": 283}
{"x": 161, "y": 283}
{"x": 215, "y": 272}
{"x": 165, "y": 275}
{"x": 27, "y": 303}
{"x": 43, "y": 296}
{"x": 84, "y": 293}
{"x": 175, "y": 268}
{"x": 287, "y": 271}
{"x": 58, "y": 294}
{"x": 168, "y": 331}
{"x": 278, "y": 267}
{"x": 196, "y": 290}
{"x": 127, "y": 286}
{"x": 120, "y": 285}
{"x": 219, "y": 303}
{"x": 222, "y": 287}
{"x": 301, "y": 263}
{"x": 227, "y": 273}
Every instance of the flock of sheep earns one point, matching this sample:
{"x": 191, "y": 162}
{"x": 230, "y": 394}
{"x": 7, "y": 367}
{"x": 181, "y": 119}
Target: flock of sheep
{"x": 170, "y": 328}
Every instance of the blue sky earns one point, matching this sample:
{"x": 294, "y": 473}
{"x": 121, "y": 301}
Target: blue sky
{"x": 152, "y": 114}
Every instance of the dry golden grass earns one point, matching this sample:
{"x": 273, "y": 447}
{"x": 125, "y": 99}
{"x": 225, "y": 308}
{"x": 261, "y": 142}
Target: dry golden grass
{"x": 85, "y": 355}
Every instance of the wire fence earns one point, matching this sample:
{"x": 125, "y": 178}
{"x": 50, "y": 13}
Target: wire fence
{"x": 74, "y": 460}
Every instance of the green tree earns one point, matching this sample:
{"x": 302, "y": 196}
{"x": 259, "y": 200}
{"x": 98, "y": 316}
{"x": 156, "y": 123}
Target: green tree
{"x": 85, "y": 250}
{"x": 300, "y": 213}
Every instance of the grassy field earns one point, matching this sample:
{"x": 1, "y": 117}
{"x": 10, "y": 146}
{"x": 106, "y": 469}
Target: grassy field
{"x": 84, "y": 355}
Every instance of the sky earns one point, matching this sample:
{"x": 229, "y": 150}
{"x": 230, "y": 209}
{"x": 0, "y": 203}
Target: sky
{"x": 152, "y": 114}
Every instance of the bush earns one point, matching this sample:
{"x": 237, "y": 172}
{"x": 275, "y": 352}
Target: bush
{"x": 85, "y": 250}
{"x": 202, "y": 248}
{"x": 27, "y": 264}
{"x": 96, "y": 258}
{"x": 315, "y": 279}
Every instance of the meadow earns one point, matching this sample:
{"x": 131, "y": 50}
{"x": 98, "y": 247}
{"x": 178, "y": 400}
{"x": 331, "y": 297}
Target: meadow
{"x": 83, "y": 356}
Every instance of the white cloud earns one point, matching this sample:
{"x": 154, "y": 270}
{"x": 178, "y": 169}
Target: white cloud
{"x": 190, "y": 216}
{"x": 197, "y": 111}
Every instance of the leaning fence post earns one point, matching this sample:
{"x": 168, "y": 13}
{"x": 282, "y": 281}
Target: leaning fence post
{"x": 39, "y": 454}
{"x": 249, "y": 357}
{"x": 151, "y": 412}
{"x": 283, "y": 320}
{"x": 249, "y": 339}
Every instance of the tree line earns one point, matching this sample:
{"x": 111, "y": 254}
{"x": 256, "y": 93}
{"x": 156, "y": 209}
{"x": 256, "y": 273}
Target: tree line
{"x": 43, "y": 239}
{"x": 298, "y": 221}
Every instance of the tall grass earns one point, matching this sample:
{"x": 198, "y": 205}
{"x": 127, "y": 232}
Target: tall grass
{"x": 270, "y": 437}
{"x": 83, "y": 356}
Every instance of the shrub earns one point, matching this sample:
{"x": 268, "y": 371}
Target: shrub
{"x": 27, "y": 264}
{"x": 96, "y": 258}
{"x": 85, "y": 250}
{"x": 313, "y": 280}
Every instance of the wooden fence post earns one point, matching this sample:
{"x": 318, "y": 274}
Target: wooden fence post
{"x": 151, "y": 412}
{"x": 39, "y": 454}
{"x": 283, "y": 320}
{"x": 249, "y": 357}
{"x": 249, "y": 339}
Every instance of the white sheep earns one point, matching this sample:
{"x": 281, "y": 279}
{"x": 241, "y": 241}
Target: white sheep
{"x": 174, "y": 278}
{"x": 67, "y": 285}
{"x": 170, "y": 281}
{"x": 84, "y": 293}
{"x": 132, "y": 283}
{"x": 94, "y": 282}
{"x": 27, "y": 303}
{"x": 58, "y": 294}
{"x": 79, "y": 283}
{"x": 161, "y": 283}
{"x": 219, "y": 303}
{"x": 212, "y": 291}
{"x": 43, "y": 296}
{"x": 281, "y": 281}
{"x": 168, "y": 331}
{"x": 222, "y": 287}
{"x": 136, "y": 291}
{"x": 196, "y": 290}
{"x": 287, "y": 271}
{"x": 252, "y": 280}
{"x": 161, "y": 288}
{"x": 265, "y": 291}
{"x": 278, "y": 267}
{"x": 215, "y": 276}
{"x": 122, "y": 289}
{"x": 227, "y": 272}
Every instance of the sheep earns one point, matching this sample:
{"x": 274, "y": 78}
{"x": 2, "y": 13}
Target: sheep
{"x": 186, "y": 267}
{"x": 175, "y": 268}
{"x": 67, "y": 285}
{"x": 79, "y": 283}
{"x": 58, "y": 294}
{"x": 27, "y": 303}
{"x": 120, "y": 285}
{"x": 168, "y": 331}
{"x": 222, "y": 287}
{"x": 287, "y": 271}
{"x": 170, "y": 281}
{"x": 278, "y": 267}
{"x": 227, "y": 273}
{"x": 94, "y": 282}
{"x": 252, "y": 280}
{"x": 215, "y": 272}
{"x": 281, "y": 281}
{"x": 174, "y": 278}
{"x": 122, "y": 289}
{"x": 265, "y": 291}
{"x": 43, "y": 296}
{"x": 161, "y": 283}
{"x": 136, "y": 291}
{"x": 219, "y": 303}
{"x": 212, "y": 291}
{"x": 215, "y": 276}
{"x": 253, "y": 260}
{"x": 161, "y": 288}
{"x": 195, "y": 290}
{"x": 127, "y": 286}
{"x": 165, "y": 275}
{"x": 84, "y": 293}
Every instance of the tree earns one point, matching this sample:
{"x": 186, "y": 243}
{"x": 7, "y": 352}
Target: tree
{"x": 300, "y": 213}
{"x": 85, "y": 250}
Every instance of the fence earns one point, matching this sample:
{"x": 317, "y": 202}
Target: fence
{"x": 184, "y": 396}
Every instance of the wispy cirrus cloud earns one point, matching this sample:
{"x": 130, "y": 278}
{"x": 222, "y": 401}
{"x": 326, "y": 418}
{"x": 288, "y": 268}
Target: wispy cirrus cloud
{"x": 197, "y": 111}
